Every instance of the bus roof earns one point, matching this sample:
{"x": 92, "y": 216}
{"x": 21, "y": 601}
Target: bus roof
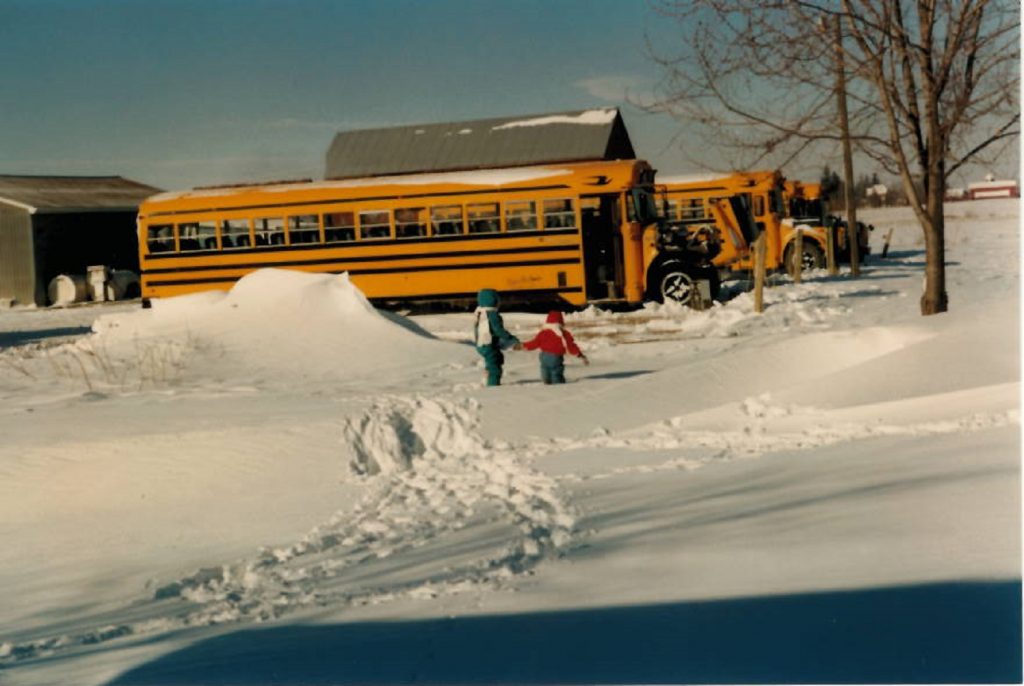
{"x": 586, "y": 177}
{"x": 676, "y": 179}
{"x": 736, "y": 182}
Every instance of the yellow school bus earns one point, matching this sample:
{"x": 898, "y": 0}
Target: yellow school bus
{"x": 764, "y": 193}
{"x": 580, "y": 232}
{"x": 807, "y": 206}
{"x": 728, "y": 219}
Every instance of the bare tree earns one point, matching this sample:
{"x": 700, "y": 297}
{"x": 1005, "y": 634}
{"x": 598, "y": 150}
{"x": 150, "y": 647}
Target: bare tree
{"x": 932, "y": 84}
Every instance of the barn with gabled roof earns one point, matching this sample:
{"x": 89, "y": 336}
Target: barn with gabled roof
{"x": 560, "y": 137}
{"x": 51, "y": 225}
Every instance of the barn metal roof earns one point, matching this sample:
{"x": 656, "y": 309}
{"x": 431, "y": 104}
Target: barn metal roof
{"x": 596, "y": 134}
{"x": 73, "y": 193}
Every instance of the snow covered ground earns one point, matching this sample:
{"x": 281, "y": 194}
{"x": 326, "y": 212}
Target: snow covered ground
{"x": 284, "y": 485}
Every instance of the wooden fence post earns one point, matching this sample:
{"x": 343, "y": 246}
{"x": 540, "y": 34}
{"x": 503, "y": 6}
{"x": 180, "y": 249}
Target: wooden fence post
{"x": 888, "y": 237}
{"x": 798, "y": 256}
{"x": 760, "y": 251}
{"x": 830, "y": 249}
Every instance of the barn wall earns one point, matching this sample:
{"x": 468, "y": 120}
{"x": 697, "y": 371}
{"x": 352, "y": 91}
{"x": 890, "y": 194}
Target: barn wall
{"x": 17, "y": 266}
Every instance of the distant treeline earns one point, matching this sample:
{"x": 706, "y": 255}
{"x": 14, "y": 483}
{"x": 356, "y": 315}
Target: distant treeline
{"x": 869, "y": 190}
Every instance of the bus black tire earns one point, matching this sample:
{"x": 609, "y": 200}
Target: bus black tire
{"x": 675, "y": 284}
{"x": 813, "y": 257}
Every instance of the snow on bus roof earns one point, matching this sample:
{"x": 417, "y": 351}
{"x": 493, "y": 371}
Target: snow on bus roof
{"x": 479, "y": 177}
{"x": 600, "y": 116}
{"x": 690, "y": 178}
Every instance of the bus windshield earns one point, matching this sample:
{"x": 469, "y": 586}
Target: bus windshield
{"x": 807, "y": 211}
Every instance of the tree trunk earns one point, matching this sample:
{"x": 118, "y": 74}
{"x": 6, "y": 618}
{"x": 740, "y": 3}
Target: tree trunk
{"x": 849, "y": 196}
{"x": 934, "y": 300}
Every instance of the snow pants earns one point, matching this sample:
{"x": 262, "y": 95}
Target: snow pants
{"x": 494, "y": 359}
{"x": 552, "y": 368}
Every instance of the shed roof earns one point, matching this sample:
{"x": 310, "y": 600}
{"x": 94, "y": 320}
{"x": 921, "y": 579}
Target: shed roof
{"x": 73, "y": 193}
{"x": 582, "y": 135}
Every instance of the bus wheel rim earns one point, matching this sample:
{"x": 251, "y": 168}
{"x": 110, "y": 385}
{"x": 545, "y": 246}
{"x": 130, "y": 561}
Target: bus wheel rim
{"x": 677, "y": 287}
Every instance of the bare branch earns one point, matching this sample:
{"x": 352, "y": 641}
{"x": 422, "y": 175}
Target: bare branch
{"x": 1008, "y": 130}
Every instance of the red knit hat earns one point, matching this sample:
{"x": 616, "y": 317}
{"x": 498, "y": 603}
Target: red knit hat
{"x": 555, "y": 317}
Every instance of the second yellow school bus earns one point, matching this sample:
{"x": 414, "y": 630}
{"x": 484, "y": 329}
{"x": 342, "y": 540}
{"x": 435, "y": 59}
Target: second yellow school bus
{"x": 581, "y": 232}
{"x": 806, "y": 205}
{"x": 764, "y": 193}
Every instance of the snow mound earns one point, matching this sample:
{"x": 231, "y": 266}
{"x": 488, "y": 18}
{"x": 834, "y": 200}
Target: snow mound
{"x": 281, "y": 322}
{"x": 388, "y": 437}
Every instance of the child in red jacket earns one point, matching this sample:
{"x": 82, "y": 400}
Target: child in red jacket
{"x": 554, "y": 342}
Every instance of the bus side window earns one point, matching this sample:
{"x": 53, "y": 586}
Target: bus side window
{"x": 671, "y": 209}
{"x": 758, "y": 205}
{"x": 375, "y": 224}
{"x": 207, "y": 234}
{"x": 693, "y": 209}
{"x": 339, "y": 227}
{"x": 160, "y": 238}
{"x": 234, "y": 233}
{"x": 521, "y": 215}
{"x": 304, "y": 228}
{"x": 193, "y": 236}
{"x": 446, "y": 221}
{"x": 269, "y": 231}
{"x": 748, "y": 198}
{"x": 187, "y": 237}
{"x": 559, "y": 214}
{"x": 411, "y": 222}
{"x": 484, "y": 218}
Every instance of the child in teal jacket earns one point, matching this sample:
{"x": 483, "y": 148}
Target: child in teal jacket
{"x": 490, "y": 335}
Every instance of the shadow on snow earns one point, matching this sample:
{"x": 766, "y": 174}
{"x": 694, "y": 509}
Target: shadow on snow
{"x": 966, "y": 632}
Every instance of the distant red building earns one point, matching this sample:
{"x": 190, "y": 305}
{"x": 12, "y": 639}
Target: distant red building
{"x": 993, "y": 188}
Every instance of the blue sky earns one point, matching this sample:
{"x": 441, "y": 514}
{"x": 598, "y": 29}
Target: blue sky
{"x": 179, "y": 93}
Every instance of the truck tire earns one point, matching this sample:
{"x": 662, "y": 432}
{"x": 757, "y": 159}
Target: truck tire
{"x": 676, "y": 285}
{"x": 676, "y": 281}
{"x": 813, "y": 257}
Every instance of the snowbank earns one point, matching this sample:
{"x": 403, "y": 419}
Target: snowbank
{"x": 276, "y": 321}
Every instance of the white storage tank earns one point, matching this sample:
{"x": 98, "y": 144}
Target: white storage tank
{"x": 65, "y": 289}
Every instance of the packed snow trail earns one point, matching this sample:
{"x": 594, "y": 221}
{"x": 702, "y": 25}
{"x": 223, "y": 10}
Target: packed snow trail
{"x": 430, "y": 474}
{"x": 759, "y": 426}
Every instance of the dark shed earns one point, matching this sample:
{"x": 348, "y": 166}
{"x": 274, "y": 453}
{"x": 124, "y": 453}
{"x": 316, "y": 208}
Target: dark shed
{"x": 597, "y": 134}
{"x": 51, "y": 225}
